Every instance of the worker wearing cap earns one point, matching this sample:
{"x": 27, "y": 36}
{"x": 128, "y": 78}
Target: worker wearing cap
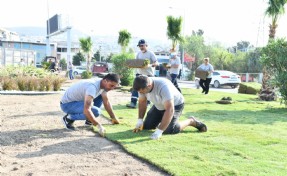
{"x": 144, "y": 53}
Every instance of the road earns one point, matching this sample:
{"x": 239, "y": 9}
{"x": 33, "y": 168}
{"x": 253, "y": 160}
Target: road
{"x": 191, "y": 84}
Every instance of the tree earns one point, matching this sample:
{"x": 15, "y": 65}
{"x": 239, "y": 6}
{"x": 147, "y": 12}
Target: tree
{"x": 274, "y": 10}
{"x": 174, "y": 31}
{"x": 274, "y": 57}
{"x": 63, "y": 64}
{"x": 194, "y": 46}
{"x": 124, "y": 39}
{"x": 243, "y": 45}
{"x": 78, "y": 58}
{"x": 109, "y": 58}
{"x": 96, "y": 56}
{"x": 86, "y": 46}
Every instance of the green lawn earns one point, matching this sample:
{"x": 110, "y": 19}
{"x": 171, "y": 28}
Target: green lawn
{"x": 248, "y": 137}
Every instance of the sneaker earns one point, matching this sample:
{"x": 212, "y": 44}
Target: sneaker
{"x": 199, "y": 125}
{"x": 68, "y": 123}
{"x": 131, "y": 105}
{"x": 88, "y": 123}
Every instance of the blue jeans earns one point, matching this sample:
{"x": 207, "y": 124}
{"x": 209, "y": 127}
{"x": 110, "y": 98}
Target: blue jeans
{"x": 76, "y": 109}
{"x": 71, "y": 76}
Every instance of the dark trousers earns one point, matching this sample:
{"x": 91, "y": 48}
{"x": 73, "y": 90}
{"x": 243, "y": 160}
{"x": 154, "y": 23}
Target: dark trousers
{"x": 174, "y": 81}
{"x": 154, "y": 117}
{"x": 204, "y": 84}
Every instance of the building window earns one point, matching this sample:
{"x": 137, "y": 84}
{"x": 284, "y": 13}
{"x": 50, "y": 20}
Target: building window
{"x": 64, "y": 50}
{"x": 59, "y": 50}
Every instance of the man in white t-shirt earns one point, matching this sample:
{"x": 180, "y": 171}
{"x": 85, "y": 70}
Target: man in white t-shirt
{"x": 148, "y": 71}
{"x": 174, "y": 67}
{"x": 168, "y": 104}
{"x": 82, "y": 101}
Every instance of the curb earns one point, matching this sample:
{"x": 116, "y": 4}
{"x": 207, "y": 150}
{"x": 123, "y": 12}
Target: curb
{"x": 29, "y": 92}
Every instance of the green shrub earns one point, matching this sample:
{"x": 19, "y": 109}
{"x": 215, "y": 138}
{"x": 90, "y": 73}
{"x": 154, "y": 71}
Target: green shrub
{"x": 9, "y": 84}
{"x": 57, "y": 82}
{"x": 87, "y": 75}
{"x": 42, "y": 84}
{"x": 22, "y": 83}
{"x": 48, "y": 82}
{"x": 249, "y": 88}
{"x": 126, "y": 74}
{"x": 32, "y": 83}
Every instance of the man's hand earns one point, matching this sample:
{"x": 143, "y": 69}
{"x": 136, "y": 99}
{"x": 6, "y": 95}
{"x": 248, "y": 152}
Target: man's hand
{"x": 115, "y": 121}
{"x": 139, "y": 126}
{"x": 157, "y": 134}
{"x": 101, "y": 130}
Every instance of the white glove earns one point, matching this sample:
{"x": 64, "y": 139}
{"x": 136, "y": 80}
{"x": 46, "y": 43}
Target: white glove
{"x": 139, "y": 123}
{"x": 102, "y": 130}
{"x": 157, "y": 134}
{"x": 139, "y": 126}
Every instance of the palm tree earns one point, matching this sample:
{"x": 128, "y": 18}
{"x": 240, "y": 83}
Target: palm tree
{"x": 124, "y": 39}
{"x": 86, "y": 46}
{"x": 274, "y": 10}
{"x": 174, "y": 31}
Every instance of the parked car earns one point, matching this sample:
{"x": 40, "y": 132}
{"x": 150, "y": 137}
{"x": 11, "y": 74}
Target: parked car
{"x": 223, "y": 77}
{"x": 99, "y": 68}
{"x": 79, "y": 70}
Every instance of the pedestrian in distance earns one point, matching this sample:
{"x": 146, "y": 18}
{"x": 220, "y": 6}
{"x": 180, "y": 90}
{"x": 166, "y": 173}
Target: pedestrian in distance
{"x": 168, "y": 104}
{"x": 204, "y": 83}
{"x": 70, "y": 68}
{"x": 82, "y": 101}
{"x": 144, "y": 53}
{"x": 174, "y": 67}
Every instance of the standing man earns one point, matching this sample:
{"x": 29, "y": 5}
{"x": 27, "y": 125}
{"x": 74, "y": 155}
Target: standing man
{"x": 168, "y": 105}
{"x": 174, "y": 65}
{"x": 82, "y": 101}
{"x": 144, "y": 53}
{"x": 204, "y": 84}
{"x": 70, "y": 67}
{"x": 22, "y": 63}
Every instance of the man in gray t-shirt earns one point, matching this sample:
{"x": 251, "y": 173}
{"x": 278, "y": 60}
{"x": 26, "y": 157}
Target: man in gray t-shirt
{"x": 82, "y": 101}
{"x": 168, "y": 105}
{"x": 148, "y": 71}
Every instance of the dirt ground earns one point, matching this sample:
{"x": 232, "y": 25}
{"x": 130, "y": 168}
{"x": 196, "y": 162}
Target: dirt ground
{"x": 33, "y": 141}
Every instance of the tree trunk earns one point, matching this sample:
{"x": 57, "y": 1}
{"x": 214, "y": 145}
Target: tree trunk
{"x": 267, "y": 92}
{"x": 272, "y": 31}
{"x": 88, "y": 62}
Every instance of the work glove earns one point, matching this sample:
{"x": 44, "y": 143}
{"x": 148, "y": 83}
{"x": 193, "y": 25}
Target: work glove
{"x": 139, "y": 126}
{"x": 157, "y": 134}
{"x": 101, "y": 130}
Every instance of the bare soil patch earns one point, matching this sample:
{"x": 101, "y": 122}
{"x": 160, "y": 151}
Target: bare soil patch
{"x": 33, "y": 141}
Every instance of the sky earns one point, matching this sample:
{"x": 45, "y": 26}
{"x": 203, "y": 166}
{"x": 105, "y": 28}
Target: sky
{"x": 225, "y": 21}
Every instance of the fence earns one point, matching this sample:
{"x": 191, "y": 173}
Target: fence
{"x": 251, "y": 77}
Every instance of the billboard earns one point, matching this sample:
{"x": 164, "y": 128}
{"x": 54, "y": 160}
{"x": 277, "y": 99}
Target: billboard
{"x": 53, "y": 24}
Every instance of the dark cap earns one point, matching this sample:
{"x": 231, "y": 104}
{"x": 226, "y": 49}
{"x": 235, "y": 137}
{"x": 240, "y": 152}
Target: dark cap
{"x": 141, "y": 42}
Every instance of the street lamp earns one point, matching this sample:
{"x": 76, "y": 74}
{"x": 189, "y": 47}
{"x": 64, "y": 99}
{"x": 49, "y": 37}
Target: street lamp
{"x": 182, "y": 49}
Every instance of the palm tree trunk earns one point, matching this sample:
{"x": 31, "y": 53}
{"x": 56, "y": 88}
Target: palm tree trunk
{"x": 88, "y": 62}
{"x": 272, "y": 31}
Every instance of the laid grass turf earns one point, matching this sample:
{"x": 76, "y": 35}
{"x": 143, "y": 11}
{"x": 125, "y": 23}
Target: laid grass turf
{"x": 248, "y": 137}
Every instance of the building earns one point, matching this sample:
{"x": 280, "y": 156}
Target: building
{"x": 14, "y": 48}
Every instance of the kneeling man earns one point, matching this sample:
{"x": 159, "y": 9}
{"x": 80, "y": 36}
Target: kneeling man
{"x": 82, "y": 101}
{"x": 168, "y": 105}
